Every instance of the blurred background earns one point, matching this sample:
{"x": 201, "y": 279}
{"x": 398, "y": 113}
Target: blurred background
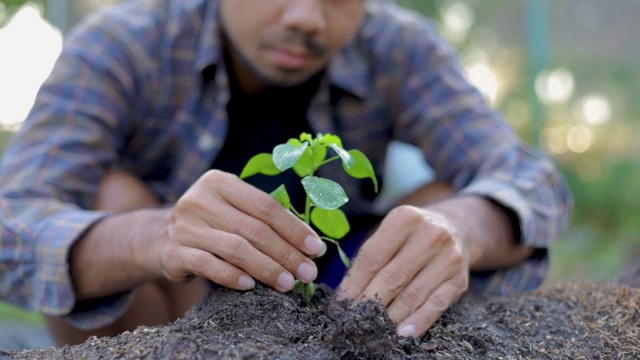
{"x": 564, "y": 74}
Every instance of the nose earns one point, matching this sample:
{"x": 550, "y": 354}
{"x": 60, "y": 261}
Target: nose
{"x": 306, "y": 16}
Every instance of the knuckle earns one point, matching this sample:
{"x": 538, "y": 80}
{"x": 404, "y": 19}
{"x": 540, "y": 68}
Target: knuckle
{"x": 394, "y": 280}
{"x": 190, "y": 203}
{"x": 369, "y": 262}
{"x": 170, "y": 263}
{"x": 225, "y": 275}
{"x": 197, "y": 262}
{"x": 254, "y": 230}
{"x": 232, "y": 247}
{"x": 183, "y": 204}
{"x": 456, "y": 258}
{"x": 295, "y": 226}
{"x": 439, "y": 301}
{"x": 216, "y": 175}
{"x": 169, "y": 257}
{"x": 463, "y": 282}
{"x": 441, "y": 233}
{"x": 441, "y": 236}
{"x": 266, "y": 205}
{"x": 411, "y": 299}
{"x": 177, "y": 224}
{"x": 268, "y": 273}
{"x": 212, "y": 181}
{"x": 408, "y": 213}
{"x": 290, "y": 259}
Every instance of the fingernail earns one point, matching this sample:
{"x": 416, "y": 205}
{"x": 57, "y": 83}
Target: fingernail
{"x": 313, "y": 244}
{"x": 286, "y": 281}
{"x": 324, "y": 249}
{"x": 307, "y": 273}
{"x": 407, "y": 330}
{"x": 246, "y": 282}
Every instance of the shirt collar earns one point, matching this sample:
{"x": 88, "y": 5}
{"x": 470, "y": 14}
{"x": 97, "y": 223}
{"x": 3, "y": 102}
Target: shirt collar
{"x": 210, "y": 42}
{"x": 348, "y": 70}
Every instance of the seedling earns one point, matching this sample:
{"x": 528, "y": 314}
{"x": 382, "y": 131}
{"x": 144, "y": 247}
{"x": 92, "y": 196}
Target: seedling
{"x": 324, "y": 197}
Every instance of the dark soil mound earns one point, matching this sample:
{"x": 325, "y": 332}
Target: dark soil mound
{"x": 587, "y": 321}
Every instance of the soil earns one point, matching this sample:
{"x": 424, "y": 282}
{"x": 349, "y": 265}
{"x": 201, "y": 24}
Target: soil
{"x": 576, "y": 321}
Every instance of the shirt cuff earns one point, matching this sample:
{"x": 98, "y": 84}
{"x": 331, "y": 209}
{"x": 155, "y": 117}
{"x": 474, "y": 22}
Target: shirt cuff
{"x": 53, "y": 291}
{"x": 58, "y": 294}
{"x": 506, "y": 195}
{"x": 100, "y": 312}
{"x": 526, "y": 276}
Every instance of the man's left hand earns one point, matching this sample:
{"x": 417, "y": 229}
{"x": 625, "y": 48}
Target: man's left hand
{"x": 416, "y": 263}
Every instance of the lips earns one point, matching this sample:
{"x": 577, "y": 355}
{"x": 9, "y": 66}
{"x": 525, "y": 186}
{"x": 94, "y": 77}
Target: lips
{"x": 291, "y": 59}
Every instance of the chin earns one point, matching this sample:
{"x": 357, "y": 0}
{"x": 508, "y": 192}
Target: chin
{"x": 283, "y": 79}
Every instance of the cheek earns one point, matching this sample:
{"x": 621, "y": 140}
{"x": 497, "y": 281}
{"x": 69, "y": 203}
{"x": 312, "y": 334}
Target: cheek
{"x": 244, "y": 27}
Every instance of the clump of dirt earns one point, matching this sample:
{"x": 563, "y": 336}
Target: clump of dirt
{"x": 588, "y": 321}
{"x": 364, "y": 331}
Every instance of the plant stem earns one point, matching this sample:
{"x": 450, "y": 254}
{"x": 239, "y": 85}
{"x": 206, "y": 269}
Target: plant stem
{"x": 329, "y": 160}
{"x": 328, "y": 239}
{"x": 296, "y": 212}
{"x": 307, "y": 207}
{"x": 307, "y": 211}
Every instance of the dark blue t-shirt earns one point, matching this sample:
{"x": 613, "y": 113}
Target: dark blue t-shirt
{"x": 257, "y": 123}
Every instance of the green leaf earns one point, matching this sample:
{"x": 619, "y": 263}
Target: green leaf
{"x": 362, "y": 167}
{"x": 260, "y": 164}
{"x": 330, "y": 139}
{"x": 343, "y": 256}
{"x": 347, "y": 159}
{"x": 310, "y": 290}
{"x": 285, "y": 156}
{"x": 332, "y": 223}
{"x": 306, "y": 137}
{"x": 304, "y": 166}
{"x": 324, "y": 193}
{"x": 319, "y": 154}
{"x": 282, "y": 196}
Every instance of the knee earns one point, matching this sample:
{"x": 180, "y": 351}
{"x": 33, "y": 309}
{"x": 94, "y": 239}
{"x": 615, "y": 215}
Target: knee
{"x": 122, "y": 191}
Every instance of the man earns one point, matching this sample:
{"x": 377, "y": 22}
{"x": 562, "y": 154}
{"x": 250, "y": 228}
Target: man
{"x": 163, "y": 101}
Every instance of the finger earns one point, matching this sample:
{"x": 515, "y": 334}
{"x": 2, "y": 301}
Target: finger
{"x": 203, "y": 264}
{"x": 426, "y": 315}
{"x": 228, "y": 247}
{"x": 373, "y": 256}
{"x": 264, "y": 207}
{"x": 267, "y": 241}
{"x": 237, "y": 251}
{"x": 412, "y": 258}
{"x": 429, "y": 245}
{"x": 439, "y": 271}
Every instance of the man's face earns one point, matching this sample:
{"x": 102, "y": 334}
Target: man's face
{"x": 285, "y": 42}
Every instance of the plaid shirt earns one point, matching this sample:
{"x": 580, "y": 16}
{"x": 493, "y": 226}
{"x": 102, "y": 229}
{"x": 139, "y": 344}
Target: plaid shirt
{"x": 129, "y": 90}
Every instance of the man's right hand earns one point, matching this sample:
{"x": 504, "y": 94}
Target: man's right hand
{"x": 231, "y": 233}
{"x": 221, "y": 229}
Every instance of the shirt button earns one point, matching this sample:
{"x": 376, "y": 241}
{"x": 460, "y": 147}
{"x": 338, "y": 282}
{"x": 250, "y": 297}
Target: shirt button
{"x": 206, "y": 142}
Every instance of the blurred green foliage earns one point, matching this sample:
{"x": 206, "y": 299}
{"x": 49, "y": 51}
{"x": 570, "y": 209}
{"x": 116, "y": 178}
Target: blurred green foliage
{"x": 10, "y": 312}
{"x": 8, "y": 7}
{"x": 429, "y": 8}
{"x": 604, "y": 238}
{"x": 12, "y": 4}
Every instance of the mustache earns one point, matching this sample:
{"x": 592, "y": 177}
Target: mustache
{"x": 310, "y": 45}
